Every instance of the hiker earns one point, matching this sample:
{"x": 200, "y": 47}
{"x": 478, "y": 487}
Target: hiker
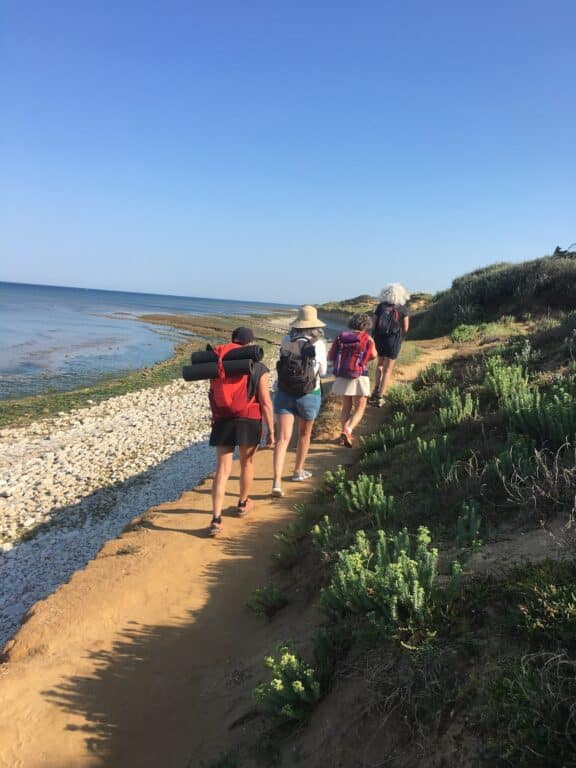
{"x": 298, "y": 396}
{"x": 250, "y": 394}
{"x": 350, "y": 354}
{"x": 391, "y": 323}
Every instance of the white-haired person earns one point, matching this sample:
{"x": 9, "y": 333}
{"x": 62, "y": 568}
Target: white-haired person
{"x": 391, "y": 323}
{"x": 298, "y": 396}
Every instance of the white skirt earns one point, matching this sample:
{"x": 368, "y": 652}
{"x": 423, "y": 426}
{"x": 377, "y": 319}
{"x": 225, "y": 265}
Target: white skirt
{"x": 359, "y": 387}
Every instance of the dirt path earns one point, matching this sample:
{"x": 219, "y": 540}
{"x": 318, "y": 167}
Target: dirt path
{"x": 145, "y": 657}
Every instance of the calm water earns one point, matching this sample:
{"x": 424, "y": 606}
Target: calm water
{"x": 61, "y": 338}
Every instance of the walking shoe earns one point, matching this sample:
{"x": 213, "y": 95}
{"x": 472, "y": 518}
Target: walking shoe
{"x": 277, "y": 492}
{"x": 346, "y": 438}
{"x": 380, "y": 402}
{"x": 244, "y": 507}
{"x": 215, "y": 526}
{"x": 301, "y": 474}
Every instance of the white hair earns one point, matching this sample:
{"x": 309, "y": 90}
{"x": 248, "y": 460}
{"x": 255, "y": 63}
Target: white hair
{"x": 395, "y": 293}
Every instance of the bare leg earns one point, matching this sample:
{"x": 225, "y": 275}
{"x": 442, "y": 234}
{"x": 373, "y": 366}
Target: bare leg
{"x": 379, "y": 376}
{"x": 224, "y": 455}
{"x": 346, "y": 409}
{"x": 247, "y": 453}
{"x": 284, "y": 427}
{"x": 387, "y": 374}
{"x": 359, "y": 409}
{"x": 304, "y": 435}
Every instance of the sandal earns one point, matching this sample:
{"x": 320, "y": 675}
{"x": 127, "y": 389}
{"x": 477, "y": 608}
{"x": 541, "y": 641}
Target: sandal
{"x": 215, "y": 526}
{"x": 346, "y": 438}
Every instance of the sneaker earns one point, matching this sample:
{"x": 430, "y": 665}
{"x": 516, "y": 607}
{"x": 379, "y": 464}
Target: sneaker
{"x": 215, "y": 526}
{"x": 277, "y": 492}
{"x": 380, "y": 402}
{"x": 302, "y": 474}
{"x": 244, "y": 507}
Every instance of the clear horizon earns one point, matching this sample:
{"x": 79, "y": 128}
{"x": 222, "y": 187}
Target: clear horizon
{"x": 286, "y": 155}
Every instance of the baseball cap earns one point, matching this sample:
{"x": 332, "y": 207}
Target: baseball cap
{"x": 242, "y": 335}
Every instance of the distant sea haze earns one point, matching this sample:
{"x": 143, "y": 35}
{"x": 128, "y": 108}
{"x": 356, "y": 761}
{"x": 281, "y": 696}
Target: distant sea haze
{"x": 54, "y": 338}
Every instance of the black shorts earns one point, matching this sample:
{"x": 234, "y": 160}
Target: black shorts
{"x": 232, "y": 432}
{"x": 388, "y": 346}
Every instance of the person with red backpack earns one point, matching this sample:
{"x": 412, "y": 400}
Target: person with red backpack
{"x": 391, "y": 323}
{"x": 350, "y": 353}
{"x": 239, "y": 404}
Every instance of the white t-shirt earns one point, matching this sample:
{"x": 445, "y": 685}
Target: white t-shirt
{"x": 321, "y": 359}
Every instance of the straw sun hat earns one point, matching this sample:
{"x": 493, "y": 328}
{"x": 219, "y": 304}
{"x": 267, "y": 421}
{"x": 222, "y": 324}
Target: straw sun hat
{"x": 307, "y": 318}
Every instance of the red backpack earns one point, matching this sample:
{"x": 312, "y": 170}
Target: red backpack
{"x": 228, "y": 395}
{"x": 349, "y": 354}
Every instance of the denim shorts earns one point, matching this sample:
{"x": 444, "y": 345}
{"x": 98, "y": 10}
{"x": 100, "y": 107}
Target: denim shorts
{"x": 307, "y": 407}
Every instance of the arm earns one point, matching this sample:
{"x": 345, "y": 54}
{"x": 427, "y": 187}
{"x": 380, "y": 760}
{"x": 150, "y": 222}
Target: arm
{"x": 405, "y": 325}
{"x": 332, "y": 351}
{"x": 372, "y": 353}
{"x": 321, "y": 360}
{"x": 266, "y": 406}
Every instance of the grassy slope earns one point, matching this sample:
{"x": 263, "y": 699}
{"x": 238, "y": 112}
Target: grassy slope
{"x": 485, "y": 673}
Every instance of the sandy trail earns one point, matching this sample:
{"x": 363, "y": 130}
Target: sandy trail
{"x": 144, "y": 657}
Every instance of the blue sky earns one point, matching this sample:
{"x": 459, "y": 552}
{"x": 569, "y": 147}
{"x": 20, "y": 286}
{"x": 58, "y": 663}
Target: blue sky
{"x": 283, "y": 151}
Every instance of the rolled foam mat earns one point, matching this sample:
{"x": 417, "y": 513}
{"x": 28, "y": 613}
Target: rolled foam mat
{"x": 200, "y": 371}
{"x": 249, "y": 352}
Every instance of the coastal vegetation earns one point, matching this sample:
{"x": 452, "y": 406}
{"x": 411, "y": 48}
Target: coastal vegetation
{"x": 442, "y": 561}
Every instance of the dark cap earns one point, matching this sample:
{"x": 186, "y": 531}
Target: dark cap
{"x": 242, "y": 335}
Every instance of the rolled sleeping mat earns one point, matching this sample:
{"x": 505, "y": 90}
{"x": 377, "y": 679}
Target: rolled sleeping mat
{"x": 200, "y": 371}
{"x": 249, "y": 352}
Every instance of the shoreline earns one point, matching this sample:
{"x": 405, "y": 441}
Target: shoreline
{"x": 72, "y": 480}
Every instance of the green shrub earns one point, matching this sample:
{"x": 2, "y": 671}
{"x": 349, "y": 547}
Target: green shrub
{"x": 266, "y": 601}
{"x": 402, "y": 398}
{"x": 293, "y": 691}
{"x": 436, "y": 453}
{"x": 468, "y": 526}
{"x": 391, "y": 582}
{"x": 548, "y": 416}
{"x": 517, "y": 458}
{"x": 288, "y": 552}
{"x": 534, "y": 704}
{"x": 322, "y": 535}
{"x": 458, "y": 408}
{"x": 464, "y": 333}
{"x": 365, "y": 495}
{"x": 334, "y": 481}
{"x": 504, "y": 381}
{"x": 435, "y": 373}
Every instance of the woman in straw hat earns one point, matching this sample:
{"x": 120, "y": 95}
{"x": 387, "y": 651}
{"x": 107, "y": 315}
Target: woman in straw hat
{"x": 298, "y": 396}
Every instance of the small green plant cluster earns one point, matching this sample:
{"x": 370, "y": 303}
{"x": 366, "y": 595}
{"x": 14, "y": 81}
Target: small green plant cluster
{"x": 322, "y": 535}
{"x": 436, "y": 453}
{"x": 366, "y": 496}
{"x": 335, "y": 480}
{"x": 399, "y": 431}
{"x": 505, "y": 381}
{"x": 458, "y": 408}
{"x": 548, "y": 416}
{"x": 464, "y": 333}
{"x": 468, "y": 526}
{"x": 435, "y": 373}
{"x": 266, "y": 601}
{"x": 293, "y": 691}
{"x": 534, "y": 705}
{"x": 390, "y": 581}
{"x": 402, "y": 398}
{"x": 288, "y": 552}
{"x": 517, "y": 458}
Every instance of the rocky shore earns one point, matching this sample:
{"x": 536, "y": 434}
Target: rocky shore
{"x": 70, "y": 483}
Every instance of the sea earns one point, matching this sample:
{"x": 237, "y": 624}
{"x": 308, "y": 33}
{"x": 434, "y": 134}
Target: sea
{"x": 55, "y": 338}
